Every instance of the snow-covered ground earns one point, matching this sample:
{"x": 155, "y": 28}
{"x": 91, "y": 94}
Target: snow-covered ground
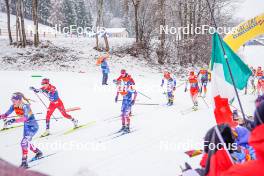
{"x": 49, "y": 31}
{"x": 162, "y": 134}
{"x": 155, "y": 148}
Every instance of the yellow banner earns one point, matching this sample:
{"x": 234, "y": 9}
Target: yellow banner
{"x": 245, "y": 32}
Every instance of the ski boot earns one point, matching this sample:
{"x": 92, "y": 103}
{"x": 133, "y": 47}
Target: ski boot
{"x": 5, "y": 126}
{"x": 195, "y": 107}
{"x": 39, "y": 154}
{"x": 24, "y": 163}
{"x": 127, "y": 129}
{"x": 170, "y": 102}
{"x": 75, "y": 123}
{"x": 46, "y": 133}
{"x": 122, "y": 129}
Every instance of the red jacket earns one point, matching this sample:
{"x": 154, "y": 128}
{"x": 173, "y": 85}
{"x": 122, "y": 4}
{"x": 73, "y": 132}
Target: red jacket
{"x": 251, "y": 168}
{"x": 219, "y": 163}
{"x": 126, "y": 78}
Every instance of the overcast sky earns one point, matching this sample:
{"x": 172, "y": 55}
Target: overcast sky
{"x": 250, "y": 8}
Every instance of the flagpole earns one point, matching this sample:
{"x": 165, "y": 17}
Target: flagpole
{"x": 226, "y": 58}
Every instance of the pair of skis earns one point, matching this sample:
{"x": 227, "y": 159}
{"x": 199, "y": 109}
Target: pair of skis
{"x": 32, "y": 161}
{"x": 116, "y": 135}
{"x": 85, "y": 125}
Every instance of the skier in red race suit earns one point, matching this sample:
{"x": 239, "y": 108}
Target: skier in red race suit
{"x": 194, "y": 88}
{"x": 55, "y": 103}
{"x": 124, "y": 76}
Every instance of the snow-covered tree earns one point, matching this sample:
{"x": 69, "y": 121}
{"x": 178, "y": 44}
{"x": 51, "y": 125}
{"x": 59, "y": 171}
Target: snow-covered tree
{"x": 69, "y": 13}
{"x": 84, "y": 18}
{"x": 44, "y": 11}
{"x": 56, "y": 15}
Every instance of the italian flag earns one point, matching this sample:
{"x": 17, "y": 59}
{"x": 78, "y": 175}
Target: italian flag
{"x": 222, "y": 86}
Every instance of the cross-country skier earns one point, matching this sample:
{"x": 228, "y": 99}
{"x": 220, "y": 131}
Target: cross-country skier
{"x": 203, "y": 76}
{"x": 194, "y": 88}
{"x": 102, "y": 60}
{"x": 51, "y": 92}
{"x": 171, "y": 86}
{"x": 124, "y": 76}
{"x": 260, "y": 78}
{"x": 129, "y": 94}
{"x": 26, "y": 116}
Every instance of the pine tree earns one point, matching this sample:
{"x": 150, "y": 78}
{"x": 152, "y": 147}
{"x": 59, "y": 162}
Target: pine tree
{"x": 28, "y": 9}
{"x": 69, "y": 13}
{"x": 44, "y": 11}
{"x": 56, "y": 15}
{"x": 84, "y": 18}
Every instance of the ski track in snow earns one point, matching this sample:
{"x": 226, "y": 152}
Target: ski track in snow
{"x": 150, "y": 150}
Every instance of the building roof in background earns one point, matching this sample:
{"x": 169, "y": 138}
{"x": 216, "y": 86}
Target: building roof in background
{"x": 115, "y": 30}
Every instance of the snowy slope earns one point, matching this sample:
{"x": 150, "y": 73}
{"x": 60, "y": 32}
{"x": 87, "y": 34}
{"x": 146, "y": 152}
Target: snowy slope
{"x": 28, "y": 25}
{"x": 155, "y": 148}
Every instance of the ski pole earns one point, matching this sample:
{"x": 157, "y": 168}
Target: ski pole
{"x": 18, "y": 116}
{"x": 180, "y": 85}
{"x": 205, "y": 102}
{"x": 44, "y": 105}
{"x": 51, "y": 118}
{"x": 144, "y": 95}
{"x": 146, "y": 104}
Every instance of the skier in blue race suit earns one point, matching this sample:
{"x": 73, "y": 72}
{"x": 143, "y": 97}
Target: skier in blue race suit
{"x": 171, "y": 86}
{"x": 129, "y": 94}
{"x": 24, "y": 112}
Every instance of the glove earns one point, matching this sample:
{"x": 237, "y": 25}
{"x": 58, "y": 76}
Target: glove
{"x": 185, "y": 90}
{"x": 133, "y": 102}
{"x": 116, "y": 99}
{"x": 174, "y": 88}
{"x": 3, "y": 116}
{"x": 161, "y": 85}
{"x": 33, "y": 89}
{"x": 9, "y": 122}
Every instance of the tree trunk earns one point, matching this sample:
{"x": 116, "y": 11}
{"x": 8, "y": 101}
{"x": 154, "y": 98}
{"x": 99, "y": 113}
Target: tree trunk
{"x": 199, "y": 16}
{"x": 185, "y": 20}
{"x": 98, "y": 21}
{"x": 8, "y": 21}
{"x": 18, "y": 28}
{"x": 35, "y": 21}
{"x": 136, "y": 6}
{"x": 21, "y": 24}
{"x": 161, "y": 51}
{"x": 106, "y": 43}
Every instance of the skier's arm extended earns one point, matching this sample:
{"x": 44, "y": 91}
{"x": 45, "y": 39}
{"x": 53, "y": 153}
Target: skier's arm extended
{"x": 186, "y": 85}
{"x": 162, "y": 82}
{"x": 35, "y": 90}
{"x": 5, "y": 115}
{"x": 116, "y": 98}
{"x": 174, "y": 82}
{"x": 135, "y": 97}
